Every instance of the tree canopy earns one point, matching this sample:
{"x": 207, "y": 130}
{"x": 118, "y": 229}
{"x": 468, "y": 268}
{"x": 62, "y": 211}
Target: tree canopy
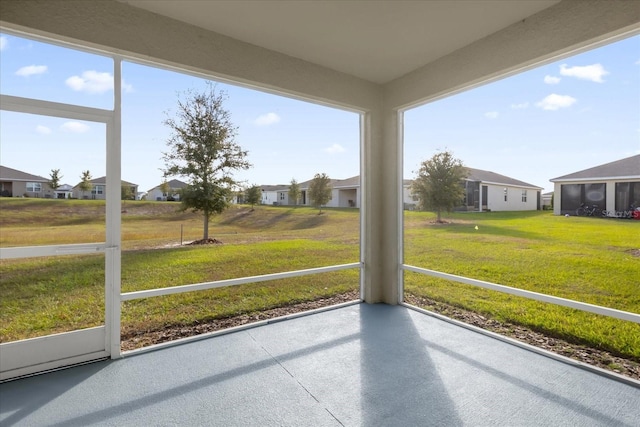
{"x": 54, "y": 179}
{"x": 253, "y": 195}
{"x": 127, "y": 192}
{"x": 166, "y": 190}
{"x": 202, "y": 148}
{"x": 320, "y": 190}
{"x": 85, "y": 183}
{"x": 438, "y": 183}
{"x": 294, "y": 192}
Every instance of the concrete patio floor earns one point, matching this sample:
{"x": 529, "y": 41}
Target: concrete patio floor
{"x": 359, "y": 365}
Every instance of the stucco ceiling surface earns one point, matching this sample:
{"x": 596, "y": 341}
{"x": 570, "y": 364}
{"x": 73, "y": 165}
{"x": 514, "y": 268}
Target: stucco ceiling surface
{"x": 375, "y": 40}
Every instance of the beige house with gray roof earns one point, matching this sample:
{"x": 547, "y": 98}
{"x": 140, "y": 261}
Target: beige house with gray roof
{"x": 15, "y": 183}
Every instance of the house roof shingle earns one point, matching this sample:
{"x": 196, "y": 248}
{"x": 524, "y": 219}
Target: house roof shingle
{"x": 103, "y": 181}
{"x": 495, "y": 178}
{"x": 278, "y": 187}
{"x": 623, "y": 168}
{"x": 174, "y": 184}
{"x": 9, "y": 174}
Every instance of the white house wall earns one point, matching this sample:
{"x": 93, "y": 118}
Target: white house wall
{"x": 269, "y": 197}
{"x": 496, "y": 202}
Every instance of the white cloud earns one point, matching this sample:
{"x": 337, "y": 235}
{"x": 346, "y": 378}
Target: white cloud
{"x": 93, "y": 82}
{"x": 551, "y": 80}
{"x": 31, "y": 70}
{"x": 520, "y": 106}
{"x": 554, "y": 102}
{"x": 43, "y": 130}
{"x": 74, "y": 127}
{"x": 3, "y": 42}
{"x": 334, "y": 149}
{"x": 592, "y": 73}
{"x": 126, "y": 87}
{"x": 491, "y": 115}
{"x": 267, "y": 119}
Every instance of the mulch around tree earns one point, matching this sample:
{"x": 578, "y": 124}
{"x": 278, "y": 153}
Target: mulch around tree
{"x": 601, "y": 358}
{"x": 208, "y": 241}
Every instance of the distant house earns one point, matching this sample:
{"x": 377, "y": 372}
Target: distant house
{"x": 547, "y": 199}
{"x": 612, "y": 186}
{"x": 15, "y": 183}
{"x": 490, "y": 191}
{"x": 99, "y": 189}
{"x": 484, "y": 191}
{"x": 345, "y": 193}
{"x": 65, "y": 191}
{"x": 270, "y": 194}
{"x": 157, "y": 194}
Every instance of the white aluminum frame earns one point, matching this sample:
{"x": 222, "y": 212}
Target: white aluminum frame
{"x": 128, "y": 296}
{"x": 82, "y": 345}
{"x": 583, "y": 306}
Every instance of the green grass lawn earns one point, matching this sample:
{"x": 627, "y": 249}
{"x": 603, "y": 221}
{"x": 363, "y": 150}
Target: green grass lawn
{"x": 586, "y": 259}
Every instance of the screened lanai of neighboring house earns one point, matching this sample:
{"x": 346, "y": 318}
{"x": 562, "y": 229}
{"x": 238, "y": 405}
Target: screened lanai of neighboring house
{"x": 377, "y": 59}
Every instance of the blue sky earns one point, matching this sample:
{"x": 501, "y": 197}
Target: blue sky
{"x": 560, "y": 118}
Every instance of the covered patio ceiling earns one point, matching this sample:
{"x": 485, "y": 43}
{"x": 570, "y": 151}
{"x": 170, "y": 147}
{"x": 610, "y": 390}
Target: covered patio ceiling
{"x": 377, "y": 41}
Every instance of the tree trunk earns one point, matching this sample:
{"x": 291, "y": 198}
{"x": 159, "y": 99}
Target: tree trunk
{"x": 205, "y": 232}
{"x": 439, "y": 220}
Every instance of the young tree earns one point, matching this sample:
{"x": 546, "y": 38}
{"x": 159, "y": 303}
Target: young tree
{"x": 438, "y": 183}
{"x": 54, "y": 179}
{"x": 166, "y": 190}
{"x": 126, "y": 192}
{"x": 253, "y": 195}
{"x": 202, "y": 148}
{"x": 85, "y": 183}
{"x": 294, "y": 192}
{"x": 320, "y": 190}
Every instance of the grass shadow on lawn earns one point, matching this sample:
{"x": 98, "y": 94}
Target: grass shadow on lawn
{"x": 478, "y": 228}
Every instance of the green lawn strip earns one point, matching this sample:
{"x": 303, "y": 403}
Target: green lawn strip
{"x": 617, "y": 336}
{"x": 200, "y": 307}
{"x": 48, "y": 295}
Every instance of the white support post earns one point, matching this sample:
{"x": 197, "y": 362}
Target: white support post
{"x": 400, "y": 202}
{"x": 113, "y": 238}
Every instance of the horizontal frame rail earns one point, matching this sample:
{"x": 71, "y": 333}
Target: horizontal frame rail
{"x": 583, "y": 306}
{"x": 54, "y": 109}
{"x": 234, "y": 282}
{"x": 52, "y": 250}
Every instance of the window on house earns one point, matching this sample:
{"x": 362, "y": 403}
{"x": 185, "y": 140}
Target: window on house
{"x": 505, "y": 194}
{"x": 281, "y": 196}
{"x": 34, "y": 187}
{"x": 524, "y": 196}
{"x": 98, "y": 189}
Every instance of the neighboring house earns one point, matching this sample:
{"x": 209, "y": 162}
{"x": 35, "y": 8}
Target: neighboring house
{"x": 612, "y": 186}
{"x": 547, "y": 199}
{"x": 15, "y": 183}
{"x": 490, "y": 191}
{"x": 99, "y": 189}
{"x": 157, "y": 194}
{"x": 484, "y": 191}
{"x": 270, "y": 194}
{"x": 345, "y": 193}
{"x": 65, "y": 191}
